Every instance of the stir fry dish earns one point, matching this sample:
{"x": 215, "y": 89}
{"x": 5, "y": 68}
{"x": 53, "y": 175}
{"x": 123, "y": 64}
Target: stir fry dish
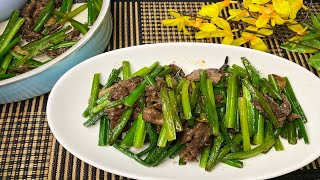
{"x": 215, "y": 115}
{"x": 43, "y": 27}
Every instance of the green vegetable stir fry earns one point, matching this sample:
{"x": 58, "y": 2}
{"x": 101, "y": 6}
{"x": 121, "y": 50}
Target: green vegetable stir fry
{"x": 222, "y": 115}
{"x": 42, "y": 24}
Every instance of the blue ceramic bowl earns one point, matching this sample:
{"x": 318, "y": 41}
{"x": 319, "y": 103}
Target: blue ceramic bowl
{"x": 41, "y": 80}
{"x": 7, "y": 6}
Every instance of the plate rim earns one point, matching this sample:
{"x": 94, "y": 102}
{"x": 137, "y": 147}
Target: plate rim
{"x": 310, "y": 159}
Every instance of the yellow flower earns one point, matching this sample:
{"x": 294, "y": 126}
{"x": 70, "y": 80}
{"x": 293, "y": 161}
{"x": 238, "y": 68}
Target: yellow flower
{"x": 211, "y": 10}
{"x": 180, "y": 21}
{"x": 224, "y": 4}
{"x": 296, "y": 5}
{"x": 243, "y": 15}
{"x": 260, "y": 1}
{"x": 261, "y": 32}
{"x": 222, "y": 23}
{"x": 224, "y": 31}
{"x": 196, "y": 23}
{"x": 227, "y": 35}
{"x": 282, "y": 7}
{"x": 246, "y": 3}
{"x": 205, "y": 30}
{"x": 237, "y": 14}
{"x": 268, "y": 13}
{"x": 255, "y": 42}
{"x": 251, "y": 21}
{"x": 299, "y": 30}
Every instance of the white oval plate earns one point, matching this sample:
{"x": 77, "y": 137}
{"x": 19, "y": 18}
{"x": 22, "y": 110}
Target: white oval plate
{"x": 69, "y": 98}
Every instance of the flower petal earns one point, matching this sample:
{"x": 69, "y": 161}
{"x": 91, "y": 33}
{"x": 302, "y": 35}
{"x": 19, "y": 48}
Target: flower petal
{"x": 222, "y": 23}
{"x": 278, "y": 20}
{"x": 297, "y": 28}
{"x": 170, "y": 22}
{"x": 262, "y": 21}
{"x": 249, "y": 20}
{"x": 186, "y": 20}
{"x": 264, "y": 31}
{"x": 227, "y": 40}
{"x": 186, "y": 32}
{"x": 218, "y": 33}
{"x": 258, "y": 44}
{"x": 223, "y": 4}
{"x": 282, "y": 7}
{"x": 211, "y": 10}
{"x": 236, "y": 14}
{"x": 252, "y": 28}
{"x": 246, "y": 3}
{"x": 295, "y": 38}
{"x": 239, "y": 41}
{"x": 196, "y": 23}
{"x": 202, "y": 34}
{"x": 260, "y": 1}
{"x": 255, "y": 8}
{"x": 207, "y": 27}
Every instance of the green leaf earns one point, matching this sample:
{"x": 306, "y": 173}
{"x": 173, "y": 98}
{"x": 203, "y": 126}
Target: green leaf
{"x": 297, "y": 48}
{"x": 318, "y": 16}
{"x": 310, "y": 26}
{"x": 312, "y": 43}
{"x": 314, "y": 61}
{"x": 311, "y": 35}
{"x": 315, "y": 21}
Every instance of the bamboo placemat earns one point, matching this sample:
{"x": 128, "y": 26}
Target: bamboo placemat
{"x": 28, "y": 149}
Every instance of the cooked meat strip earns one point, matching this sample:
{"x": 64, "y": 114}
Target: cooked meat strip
{"x": 124, "y": 88}
{"x": 28, "y": 13}
{"x": 19, "y": 70}
{"x": 55, "y": 28}
{"x": 153, "y": 111}
{"x": 256, "y": 103}
{"x": 293, "y": 117}
{"x": 152, "y": 115}
{"x": 56, "y": 52}
{"x": 280, "y": 80}
{"x": 214, "y": 75}
{"x": 279, "y": 111}
{"x": 152, "y": 96}
{"x": 37, "y": 11}
{"x": 176, "y": 70}
{"x": 160, "y": 81}
{"x": 285, "y": 105}
{"x": 201, "y": 136}
{"x": 187, "y": 135}
{"x": 73, "y": 35}
{"x": 29, "y": 34}
{"x": 114, "y": 115}
{"x": 28, "y": 10}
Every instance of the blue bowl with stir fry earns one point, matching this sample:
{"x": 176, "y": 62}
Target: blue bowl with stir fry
{"x": 45, "y": 39}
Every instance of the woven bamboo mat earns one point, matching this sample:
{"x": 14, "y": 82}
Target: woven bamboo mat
{"x": 28, "y": 149}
